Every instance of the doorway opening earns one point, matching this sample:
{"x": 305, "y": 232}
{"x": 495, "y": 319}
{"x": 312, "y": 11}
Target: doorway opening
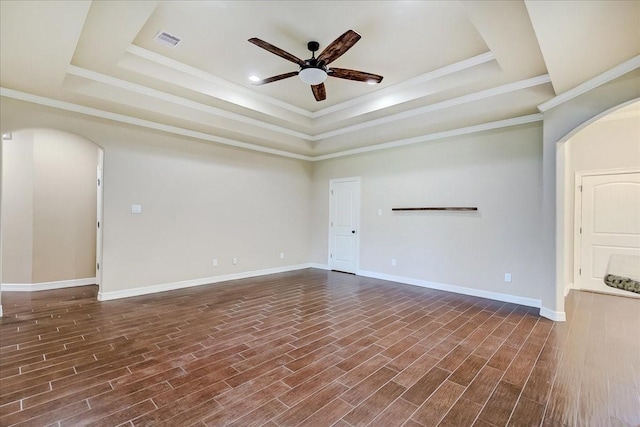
{"x": 606, "y": 144}
{"x": 51, "y": 207}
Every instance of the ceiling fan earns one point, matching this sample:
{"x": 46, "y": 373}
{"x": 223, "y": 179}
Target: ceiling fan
{"x": 314, "y": 71}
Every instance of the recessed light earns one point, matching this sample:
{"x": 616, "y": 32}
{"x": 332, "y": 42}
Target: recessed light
{"x": 254, "y": 78}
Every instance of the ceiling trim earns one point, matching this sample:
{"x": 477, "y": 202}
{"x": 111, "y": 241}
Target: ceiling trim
{"x": 438, "y": 135}
{"x": 196, "y": 72}
{"x": 591, "y": 84}
{"x": 499, "y": 90}
{"x": 144, "y": 90}
{"x": 422, "y": 78}
{"x": 67, "y": 106}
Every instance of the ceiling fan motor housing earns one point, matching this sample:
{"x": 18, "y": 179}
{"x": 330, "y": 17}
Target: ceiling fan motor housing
{"x": 313, "y": 46}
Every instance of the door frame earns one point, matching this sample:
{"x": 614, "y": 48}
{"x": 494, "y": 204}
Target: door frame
{"x": 357, "y": 181}
{"x": 99, "y": 217}
{"x": 577, "y": 218}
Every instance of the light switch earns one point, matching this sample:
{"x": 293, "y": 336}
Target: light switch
{"x": 136, "y": 209}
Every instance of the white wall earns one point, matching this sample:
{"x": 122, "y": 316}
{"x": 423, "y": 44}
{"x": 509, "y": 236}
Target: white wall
{"x": 607, "y": 144}
{"x": 17, "y": 208}
{"x": 497, "y": 171}
{"x": 50, "y": 216}
{"x": 64, "y": 206}
{"x": 199, "y": 201}
{"x": 1, "y": 157}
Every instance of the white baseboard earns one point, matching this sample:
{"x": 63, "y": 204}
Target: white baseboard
{"x": 319, "y": 266}
{"x": 557, "y": 316}
{"x": 163, "y": 287}
{"x": 46, "y": 286}
{"x": 529, "y": 302}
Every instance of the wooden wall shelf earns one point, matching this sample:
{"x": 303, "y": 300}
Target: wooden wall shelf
{"x": 437, "y": 209}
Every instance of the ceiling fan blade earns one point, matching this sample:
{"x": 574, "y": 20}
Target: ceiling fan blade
{"x": 319, "y": 92}
{"x": 359, "y": 76}
{"x": 276, "y": 78}
{"x": 276, "y": 50}
{"x": 339, "y": 46}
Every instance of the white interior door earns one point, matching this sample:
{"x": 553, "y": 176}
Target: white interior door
{"x": 344, "y": 214}
{"x": 610, "y": 226}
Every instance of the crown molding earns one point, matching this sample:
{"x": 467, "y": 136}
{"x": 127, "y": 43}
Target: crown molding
{"x": 67, "y": 106}
{"x": 438, "y": 135}
{"x": 591, "y": 84}
{"x": 196, "y": 72}
{"x": 431, "y": 75}
{"x": 499, "y": 90}
{"x": 144, "y": 90}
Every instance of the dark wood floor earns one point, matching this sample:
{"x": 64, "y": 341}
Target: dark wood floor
{"x": 316, "y": 348}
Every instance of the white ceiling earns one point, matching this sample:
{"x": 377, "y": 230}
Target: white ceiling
{"x": 446, "y": 64}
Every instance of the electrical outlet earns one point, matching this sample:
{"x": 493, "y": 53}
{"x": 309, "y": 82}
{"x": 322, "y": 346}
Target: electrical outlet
{"x": 281, "y": 255}
{"x": 234, "y": 261}
{"x": 393, "y": 262}
{"x": 507, "y": 277}
{"x": 215, "y": 262}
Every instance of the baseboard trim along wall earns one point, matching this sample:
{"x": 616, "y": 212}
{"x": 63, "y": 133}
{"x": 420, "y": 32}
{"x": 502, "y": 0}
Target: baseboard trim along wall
{"x": 319, "y": 266}
{"x": 46, "y": 286}
{"x": 529, "y": 302}
{"x": 558, "y": 316}
{"x": 568, "y": 289}
{"x": 144, "y": 290}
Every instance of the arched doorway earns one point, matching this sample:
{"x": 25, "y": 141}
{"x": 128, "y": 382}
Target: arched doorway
{"x": 51, "y": 206}
{"x": 606, "y": 145}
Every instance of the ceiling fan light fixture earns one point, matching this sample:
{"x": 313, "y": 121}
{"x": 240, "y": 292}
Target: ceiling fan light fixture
{"x": 312, "y": 76}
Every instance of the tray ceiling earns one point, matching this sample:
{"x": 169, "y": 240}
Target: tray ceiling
{"x": 446, "y": 64}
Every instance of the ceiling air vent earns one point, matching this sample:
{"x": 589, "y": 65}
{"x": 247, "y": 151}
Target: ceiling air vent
{"x": 166, "y": 39}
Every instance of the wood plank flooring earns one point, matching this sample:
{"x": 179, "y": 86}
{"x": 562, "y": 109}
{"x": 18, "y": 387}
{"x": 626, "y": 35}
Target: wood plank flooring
{"x": 315, "y": 348}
